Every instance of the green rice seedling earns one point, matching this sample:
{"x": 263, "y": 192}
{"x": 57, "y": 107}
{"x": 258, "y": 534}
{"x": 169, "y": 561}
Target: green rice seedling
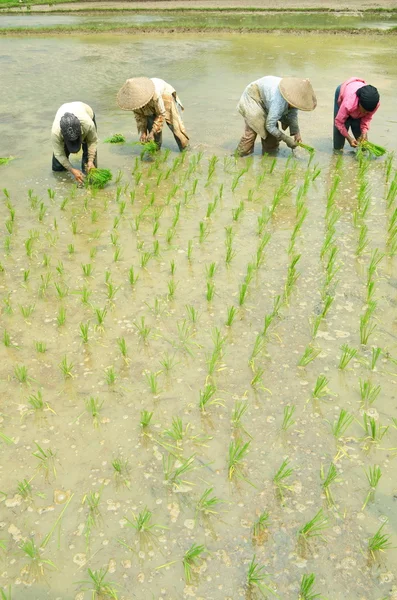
{"x": 45, "y": 282}
{"x": 62, "y": 291}
{"x": 46, "y": 462}
{"x": 9, "y": 226}
{"x": 145, "y": 419}
{"x": 98, "y": 178}
{"x": 368, "y": 392}
{"x": 256, "y": 381}
{"x": 191, "y": 560}
{"x": 280, "y": 478}
{"x": 288, "y": 417}
{"x": 177, "y": 432}
{"x": 85, "y": 295}
{"x": 132, "y": 277}
{"x": 237, "y": 178}
{"x": 308, "y": 356}
{"x": 373, "y": 476}
{"x": 156, "y": 248}
{"x": 230, "y": 254}
{"x": 172, "y": 267}
{"x": 260, "y": 527}
{"x": 292, "y": 275}
{"x": 204, "y": 231}
{"x": 7, "y": 306}
{"x": 231, "y": 314}
{"x": 376, "y": 352}
{"x": 116, "y": 138}
{"x": 363, "y": 240}
{"x": 93, "y": 407}
{"x": 372, "y": 148}
{"x": 42, "y": 212}
{"x": 152, "y": 381}
{"x": 36, "y": 402}
{"x": 111, "y": 291}
{"x": 256, "y": 577}
{"x": 320, "y": 389}
{"x": 64, "y": 203}
{"x": 71, "y": 249}
{"x": 210, "y": 270}
{"x": 236, "y": 212}
{"x": 239, "y": 410}
{"x": 331, "y": 268}
{"x": 189, "y": 250}
{"x": 370, "y": 291}
{"x": 169, "y": 236}
{"x": 207, "y": 399}
{"x": 207, "y": 504}
{"x": 237, "y": 453}
{"x": 7, "y": 339}
{"x": 117, "y": 255}
{"x": 309, "y": 149}
{"x": 145, "y": 257}
{"x": 5, "y": 160}
{"x": 94, "y": 216}
{"x": 27, "y": 311}
{"x": 175, "y": 470}
{"x": 24, "y": 489}
{"x": 376, "y": 258}
{"x": 100, "y": 316}
{"x": 210, "y": 291}
{"x": 93, "y": 518}
{"x": 347, "y": 355}
{"x": 40, "y": 347}
{"x": 84, "y": 328}
{"x": 122, "y": 344}
{"x": 66, "y": 368}
{"x": 87, "y": 269}
{"x": 21, "y": 373}
{"x": 61, "y": 316}
{"x": 7, "y": 244}
{"x": 192, "y": 313}
{"x": 328, "y": 300}
{"x": 110, "y": 375}
{"x": 143, "y": 329}
{"x": 210, "y": 209}
{"x": 37, "y": 565}
{"x": 267, "y": 321}
{"x": 168, "y": 363}
{"x": 392, "y": 192}
{"x": 144, "y": 528}
{"x": 29, "y": 247}
{"x": 379, "y": 542}
{"x": 121, "y": 471}
{"x": 327, "y": 481}
{"x": 343, "y": 421}
{"x": 306, "y": 588}
{"x": 374, "y": 431}
{"x": 243, "y": 290}
{"x": 389, "y": 165}
{"x": 259, "y": 346}
{"x": 313, "y": 528}
{"x": 99, "y": 588}
{"x": 367, "y": 327}
{"x": 116, "y": 222}
{"x": 26, "y": 274}
{"x": 172, "y": 285}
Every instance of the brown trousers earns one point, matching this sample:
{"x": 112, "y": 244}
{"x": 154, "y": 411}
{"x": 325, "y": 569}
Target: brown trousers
{"x": 247, "y": 142}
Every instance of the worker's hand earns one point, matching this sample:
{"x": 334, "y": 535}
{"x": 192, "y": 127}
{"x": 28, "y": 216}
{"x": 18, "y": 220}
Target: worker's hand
{"x": 362, "y": 137}
{"x": 353, "y": 142}
{"x": 143, "y": 138}
{"x": 297, "y": 138}
{"x": 291, "y": 143}
{"x": 90, "y": 165}
{"x": 78, "y": 175}
{"x": 150, "y": 137}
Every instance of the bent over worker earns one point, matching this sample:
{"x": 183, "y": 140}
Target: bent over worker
{"x": 355, "y": 105}
{"x": 74, "y": 126}
{"x": 269, "y": 101}
{"x": 153, "y": 102}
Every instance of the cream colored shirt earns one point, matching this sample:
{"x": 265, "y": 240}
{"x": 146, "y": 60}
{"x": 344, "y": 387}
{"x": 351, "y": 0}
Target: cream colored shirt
{"x": 155, "y": 107}
{"x": 85, "y": 114}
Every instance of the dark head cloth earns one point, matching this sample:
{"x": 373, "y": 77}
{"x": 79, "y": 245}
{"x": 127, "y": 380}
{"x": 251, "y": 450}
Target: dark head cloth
{"x": 368, "y": 97}
{"x": 71, "y": 131}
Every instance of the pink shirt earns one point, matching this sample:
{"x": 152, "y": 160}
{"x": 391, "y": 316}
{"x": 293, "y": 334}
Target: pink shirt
{"x": 348, "y": 106}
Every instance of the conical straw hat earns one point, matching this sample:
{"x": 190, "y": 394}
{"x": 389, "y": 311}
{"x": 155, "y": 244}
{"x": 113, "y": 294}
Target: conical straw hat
{"x": 135, "y": 93}
{"x": 298, "y": 93}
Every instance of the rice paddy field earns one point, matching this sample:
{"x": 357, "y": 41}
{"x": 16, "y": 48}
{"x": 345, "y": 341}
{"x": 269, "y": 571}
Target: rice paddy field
{"x": 198, "y": 361}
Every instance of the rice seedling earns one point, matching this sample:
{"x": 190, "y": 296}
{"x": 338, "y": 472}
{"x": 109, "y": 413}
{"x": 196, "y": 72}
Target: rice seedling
{"x": 100, "y": 316}
{"x": 42, "y": 212}
{"x": 177, "y": 432}
{"x": 309, "y": 149}
{"x": 175, "y": 470}
{"x": 21, "y": 373}
{"x": 24, "y": 489}
{"x": 260, "y": 526}
{"x": 308, "y": 356}
{"x": 363, "y": 240}
{"x": 236, "y": 212}
{"x": 392, "y": 192}
{"x": 61, "y": 316}
{"x": 256, "y": 577}
{"x": 192, "y": 313}
{"x": 368, "y": 392}
{"x": 372, "y": 148}
{"x": 237, "y": 452}
{"x": 27, "y": 311}
{"x": 62, "y": 291}
{"x": 98, "y": 178}
{"x": 292, "y": 276}
{"x": 347, "y": 355}
{"x": 46, "y": 462}
{"x": 40, "y": 347}
{"x": 373, "y": 476}
{"x": 36, "y": 402}
{"x": 8, "y": 310}
{"x": 152, "y": 381}
{"x": 116, "y": 138}
{"x": 132, "y": 277}
{"x": 93, "y": 407}
{"x": 206, "y": 398}
{"x": 239, "y": 410}
{"x": 144, "y": 528}
{"x": 306, "y": 588}
{"x": 121, "y": 472}
{"x": 376, "y": 258}
{"x": 331, "y": 268}
{"x": 379, "y": 542}
{"x": 145, "y": 257}
{"x": 66, "y": 368}
{"x": 145, "y": 419}
{"x": 172, "y": 285}
{"x": 110, "y": 375}
{"x": 374, "y": 430}
{"x": 143, "y": 329}
{"x": 191, "y": 560}
{"x": 376, "y": 352}
{"x": 367, "y": 327}
{"x": 288, "y": 417}
{"x": 313, "y": 528}
{"x": 5, "y": 160}
{"x": 168, "y": 362}
{"x": 237, "y": 178}
{"x": 327, "y": 480}
{"x": 99, "y": 588}
{"x": 343, "y": 421}
{"x": 149, "y": 149}
{"x": 84, "y": 328}
{"x": 320, "y": 389}
{"x": 206, "y": 504}
{"x": 37, "y": 565}
{"x": 189, "y": 250}
{"x": 210, "y": 291}
{"x": 71, "y": 249}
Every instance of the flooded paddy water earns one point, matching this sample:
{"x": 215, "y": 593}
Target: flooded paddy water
{"x": 151, "y": 333}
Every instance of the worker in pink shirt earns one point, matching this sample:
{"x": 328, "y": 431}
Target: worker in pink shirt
{"x": 355, "y": 105}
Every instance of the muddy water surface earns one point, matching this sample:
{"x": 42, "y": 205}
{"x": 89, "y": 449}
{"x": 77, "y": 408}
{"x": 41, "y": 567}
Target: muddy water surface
{"x": 168, "y": 221}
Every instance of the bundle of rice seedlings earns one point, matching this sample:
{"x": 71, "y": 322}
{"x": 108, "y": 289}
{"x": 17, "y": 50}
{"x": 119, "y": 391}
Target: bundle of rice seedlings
{"x": 6, "y": 160}
{"x": 98, "y": 178}
{"x": 306, "y": 147}
{"x": 149, "y": 148}
{"x": 374, "y": 149}
{"x": 116, "y": 138}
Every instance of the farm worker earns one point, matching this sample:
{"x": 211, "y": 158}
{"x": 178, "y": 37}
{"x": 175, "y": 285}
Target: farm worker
{"x": 355, "y": 105}
{"x": 154, "y": 101}
{"x": 74, "y": 126}
{"x": 268, "y": 101}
